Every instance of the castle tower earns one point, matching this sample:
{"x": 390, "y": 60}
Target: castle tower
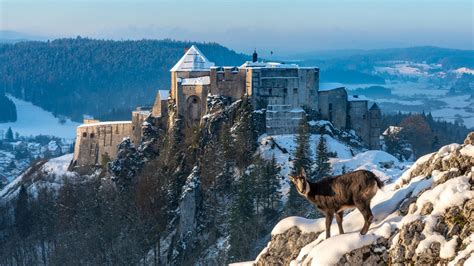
{"x": 375, "y": 119}
{"x": 190, "y": 82}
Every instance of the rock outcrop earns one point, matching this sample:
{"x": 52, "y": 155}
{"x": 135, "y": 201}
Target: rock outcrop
{"x": 285, "y": 247}
{"x": 424, "y": 218}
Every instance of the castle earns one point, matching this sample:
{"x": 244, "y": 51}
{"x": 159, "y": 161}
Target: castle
{"x": 282, "y": 90}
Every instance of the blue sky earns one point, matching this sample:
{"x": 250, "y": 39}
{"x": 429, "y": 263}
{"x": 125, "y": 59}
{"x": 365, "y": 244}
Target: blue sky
{"x": 282, "y": 26}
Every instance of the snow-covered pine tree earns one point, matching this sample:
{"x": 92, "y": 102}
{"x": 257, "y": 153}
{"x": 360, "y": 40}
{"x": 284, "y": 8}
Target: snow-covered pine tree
{"x": 323, "y": 167}
{"x": 297, "y": 205}
{"x": 9, "y": 135}
{"x": 303, "y": 151}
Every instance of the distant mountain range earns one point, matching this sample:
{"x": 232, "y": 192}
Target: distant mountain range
{"x": 454, "y": 58}
{"x": 9, "y": 36}
{"x": 106, "y": 78}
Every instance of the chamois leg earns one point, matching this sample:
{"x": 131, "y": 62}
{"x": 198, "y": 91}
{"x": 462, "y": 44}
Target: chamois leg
{"x": 329, "y": 216}
{"x": 339, "y": 216}
{"x": 364, "y": 208}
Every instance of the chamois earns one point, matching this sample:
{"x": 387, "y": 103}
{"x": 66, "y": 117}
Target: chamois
{"x": 332, "y": 195}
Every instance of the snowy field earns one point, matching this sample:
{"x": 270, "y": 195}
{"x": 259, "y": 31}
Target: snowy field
{"x": 418, "y": 97}
{"x": 33, "y": 120}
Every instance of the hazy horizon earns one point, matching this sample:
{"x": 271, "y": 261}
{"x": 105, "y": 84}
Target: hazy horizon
{"x": 298, "y": 27}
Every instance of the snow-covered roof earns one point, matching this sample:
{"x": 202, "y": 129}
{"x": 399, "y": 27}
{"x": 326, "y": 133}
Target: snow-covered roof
{"x": 356, "y": 98}
{"x": 193, "y": 60}
{"x": 206, "y": 80}
{"x": 105, "y": 123}
{"x": 250, "y": 64}
{"x": 331, "y": 89}
{"x": 164, "y": 94}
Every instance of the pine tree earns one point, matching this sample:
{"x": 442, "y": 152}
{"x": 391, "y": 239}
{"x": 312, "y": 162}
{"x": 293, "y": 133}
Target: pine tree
{"x": 258, "y": 175}
{"x": 303, "y": 150}
{"x": 9, "y": 134}
{"x": 296, "y": 205}
{"x": 323, "y": 167}
{"x": 242, "y": 215}
{"x": 272, "y": 184}
{"x": 23, "y": 219}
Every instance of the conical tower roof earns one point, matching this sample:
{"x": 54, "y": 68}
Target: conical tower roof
{"x": 374, "y": 107}
{"x": 193, "y": 60}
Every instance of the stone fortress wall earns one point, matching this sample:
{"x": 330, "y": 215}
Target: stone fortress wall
{"x": 97, "y": 141}
{"x": 282, "y": 90}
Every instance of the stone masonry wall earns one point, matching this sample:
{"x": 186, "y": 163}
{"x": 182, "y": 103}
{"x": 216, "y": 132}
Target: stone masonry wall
{"x": 333, "y": 106}
{"x": 358, "y": 119}
{"x": 94, "y": 141}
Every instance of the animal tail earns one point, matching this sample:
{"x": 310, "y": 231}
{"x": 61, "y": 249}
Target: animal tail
{"x": 371, "y": 175}
{"x": 380, "y": 184}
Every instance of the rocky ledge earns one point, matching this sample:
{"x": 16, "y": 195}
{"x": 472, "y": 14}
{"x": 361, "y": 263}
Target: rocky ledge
{"x": 424, "y": 217}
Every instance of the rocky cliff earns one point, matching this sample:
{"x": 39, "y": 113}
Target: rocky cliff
{"x": 423, "y": 217}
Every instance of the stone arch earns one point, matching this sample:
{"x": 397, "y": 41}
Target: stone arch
{"x": 193, "y": 109}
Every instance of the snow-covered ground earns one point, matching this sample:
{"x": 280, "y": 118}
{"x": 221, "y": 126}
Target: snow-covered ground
{"x": 409, "y": 96}
{"x": 385, "y": 204}
{"x": 52, "y": 174}
{"x": 33, "y": 120}
{"x": 386, "y": 166}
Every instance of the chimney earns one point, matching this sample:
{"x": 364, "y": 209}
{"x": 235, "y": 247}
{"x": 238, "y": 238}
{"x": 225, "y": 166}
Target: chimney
{"x": 186, "y": 48}
{"x": 254, "y": 56}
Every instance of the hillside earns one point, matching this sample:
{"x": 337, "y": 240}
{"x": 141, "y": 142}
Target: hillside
{"x": 208, "y": 195}
{"x": 73, "y": 77}
{"x": 423, "y": 217}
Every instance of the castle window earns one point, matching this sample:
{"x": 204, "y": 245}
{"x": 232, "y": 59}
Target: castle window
{"x": 84, "y": 135}
{"x": 270, "y": 91}
{"x": 285, "y": 90}
{"x": 92, "y": 135}
{"x": 194, "y": 100}
{"x": 295, "y": 90}
{"x": 133, "y": 128}
{"x": 363, "y": 116}
{"x": 330, "y": 106}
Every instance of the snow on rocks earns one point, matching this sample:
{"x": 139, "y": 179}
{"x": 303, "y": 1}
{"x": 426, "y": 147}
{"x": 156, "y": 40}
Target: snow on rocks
{"x": 59, "y": 166}
{"x": 436, "y": 226}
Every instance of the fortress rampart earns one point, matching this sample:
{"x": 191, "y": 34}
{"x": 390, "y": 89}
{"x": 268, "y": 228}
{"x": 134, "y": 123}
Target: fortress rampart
{"x": 97, "y": 142}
